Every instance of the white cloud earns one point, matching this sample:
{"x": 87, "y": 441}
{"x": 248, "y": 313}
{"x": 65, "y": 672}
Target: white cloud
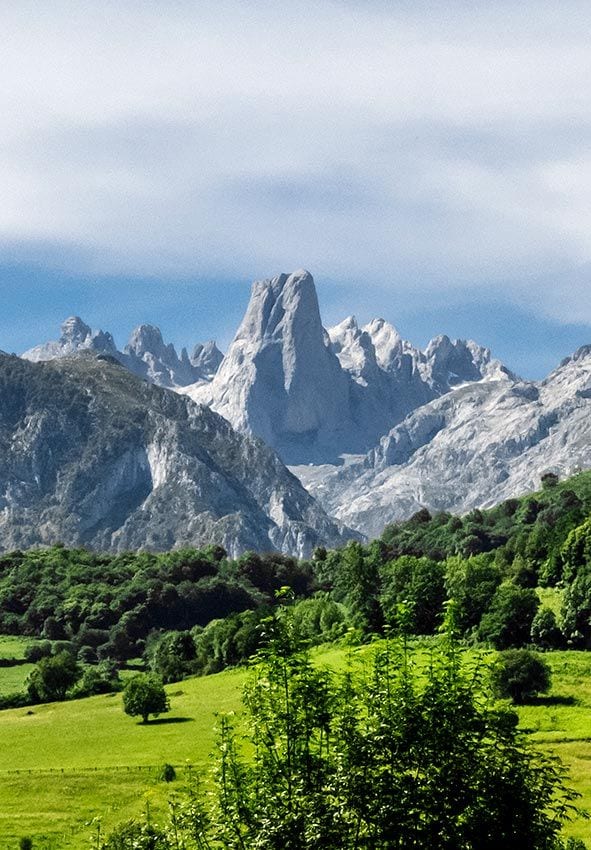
{"x": 444, "y": 142}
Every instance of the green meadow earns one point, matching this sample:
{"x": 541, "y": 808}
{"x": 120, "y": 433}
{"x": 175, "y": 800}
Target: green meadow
{"x": 65, "y": 765}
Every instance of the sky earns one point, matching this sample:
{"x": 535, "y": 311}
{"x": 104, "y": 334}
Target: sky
{"x": 428, "y": 162}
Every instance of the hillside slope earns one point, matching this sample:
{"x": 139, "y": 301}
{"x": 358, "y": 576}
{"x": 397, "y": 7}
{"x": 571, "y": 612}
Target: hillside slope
{"x": 473, "y": 447}
{"x": 91, "y": 455}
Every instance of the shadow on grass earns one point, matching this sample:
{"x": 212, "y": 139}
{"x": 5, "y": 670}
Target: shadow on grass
{"x": 553, "y": 700}
{"x": 162, "y": 721}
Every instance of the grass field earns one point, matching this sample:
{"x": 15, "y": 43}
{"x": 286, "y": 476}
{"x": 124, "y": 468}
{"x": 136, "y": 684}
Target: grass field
{"x": 12, "y": 679}
{"x": 13, "y": 646}
{"x": 67, "y": 763}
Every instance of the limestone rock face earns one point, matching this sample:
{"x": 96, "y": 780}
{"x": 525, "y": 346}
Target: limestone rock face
{"x": 91, "y": 455}
{"x": 146, "y": 354}
{"x": 474, "y": 446}
{"x": 280, "y": 378}
{"x": 315, "y": 395}
{"x": 206, "y": 357}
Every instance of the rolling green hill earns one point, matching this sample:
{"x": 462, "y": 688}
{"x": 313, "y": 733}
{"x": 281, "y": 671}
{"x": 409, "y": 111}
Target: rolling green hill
{"x": 68, "y": 763}
{"x": 65, "y": 763}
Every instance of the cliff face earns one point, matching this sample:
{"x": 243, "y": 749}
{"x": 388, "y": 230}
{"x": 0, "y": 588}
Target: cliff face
{"x": 280, "y": 379}
{"x": 314, "y": 394}
{"x": 473, "y": 447}
{"x": 90, "y": 455}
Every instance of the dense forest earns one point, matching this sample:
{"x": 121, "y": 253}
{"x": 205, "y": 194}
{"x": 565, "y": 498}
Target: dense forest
{"x": 190, "y": 611}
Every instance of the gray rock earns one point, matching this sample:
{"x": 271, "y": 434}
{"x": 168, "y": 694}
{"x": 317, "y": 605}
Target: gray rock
{"x": 90, "y": 455}
{"x": 280, "y": 379}
{"x": 473, "y": 447}
{"x": 146, "y": 354}
{"x": 315, "y": 395}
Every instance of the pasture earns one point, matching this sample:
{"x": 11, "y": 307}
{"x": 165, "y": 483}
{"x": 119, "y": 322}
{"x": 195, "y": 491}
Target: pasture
{"x": 64, "y": 765}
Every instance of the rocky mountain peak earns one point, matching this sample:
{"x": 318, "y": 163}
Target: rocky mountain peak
{"x": 147, "y": 339}
{"x": 74, "y": 331}
{"x": 279, "y": 378}
{"x": 280, "y": 306}
{"x": 207, "y": 358}
{"x": 354, "y": 348}
{"x": 451, "y": 363}
{"x": 387, "y": 342}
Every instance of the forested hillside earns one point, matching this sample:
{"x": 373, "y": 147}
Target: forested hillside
{"x": 493, "y": 564}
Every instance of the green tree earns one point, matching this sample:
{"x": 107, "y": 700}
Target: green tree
{"x": 53, "y": 677}
{"x": 143, "y": 695}
{"x": 520, "y": 675}
{"x": 418, "y": 583}
{"x": 358, "y": 583}
{"x": 576, "y": 558}
{"x": 545, "y": 632}
{"x": 173, "y": 656}
{"x": 508, "y": 621}
{"x": 390, "y": 756}
{"x": 472, "y": 584}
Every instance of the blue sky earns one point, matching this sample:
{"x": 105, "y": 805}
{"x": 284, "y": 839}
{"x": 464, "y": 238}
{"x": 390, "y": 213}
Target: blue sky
{"x": 427, "y": 162}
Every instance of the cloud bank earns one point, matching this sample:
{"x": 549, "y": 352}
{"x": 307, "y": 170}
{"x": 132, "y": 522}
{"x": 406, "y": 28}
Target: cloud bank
{"x": 422, "y": 146}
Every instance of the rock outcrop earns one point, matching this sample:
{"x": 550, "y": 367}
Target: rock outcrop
{"x": 91, "y": 455}
{"x": 475, "y": 446}
{"x": 146, "y": 354}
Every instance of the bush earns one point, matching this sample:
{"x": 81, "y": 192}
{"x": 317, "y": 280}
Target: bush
{"x": 36, "y": 651}
{"x": 87, "y": 655}
{"x": 520, "y": 675}
{"x": 53, "y": 677}
{"x": 544, "y": 629}
{"x": 549, "y": 480}
{"x": 102, "y": 679}
{"x": 65, "y": 646}
{"x": 167, "y": 774}
{"x": 25, "y": 843}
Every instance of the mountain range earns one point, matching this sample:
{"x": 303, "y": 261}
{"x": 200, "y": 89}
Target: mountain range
{"x": 90, "y": 455}
{"x": 146, "y": 354}
{"x": 374, "y": 427}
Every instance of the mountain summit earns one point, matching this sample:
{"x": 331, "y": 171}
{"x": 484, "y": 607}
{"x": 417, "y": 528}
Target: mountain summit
{"x": 313, "y": 394}
{"x": 146, "y": 354}
{"x": 280, "y": 378}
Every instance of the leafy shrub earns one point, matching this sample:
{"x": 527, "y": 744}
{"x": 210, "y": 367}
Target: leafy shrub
{"x": 53, "y": 677}
{"x": 520, "y": 675}
{"x": 544, "y": 629}
{"x": 508, "y": 621}
{"x": 36, "y": 651}
{"x": 167, "y": 774}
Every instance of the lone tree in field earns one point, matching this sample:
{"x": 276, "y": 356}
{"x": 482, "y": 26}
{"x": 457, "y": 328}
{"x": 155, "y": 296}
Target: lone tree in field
{"x": 144, "y": 695}
{"x": 520, "y": 675}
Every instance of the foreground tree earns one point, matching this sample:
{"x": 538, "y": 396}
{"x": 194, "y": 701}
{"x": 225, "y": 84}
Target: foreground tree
{"x": 144, "y": 695}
